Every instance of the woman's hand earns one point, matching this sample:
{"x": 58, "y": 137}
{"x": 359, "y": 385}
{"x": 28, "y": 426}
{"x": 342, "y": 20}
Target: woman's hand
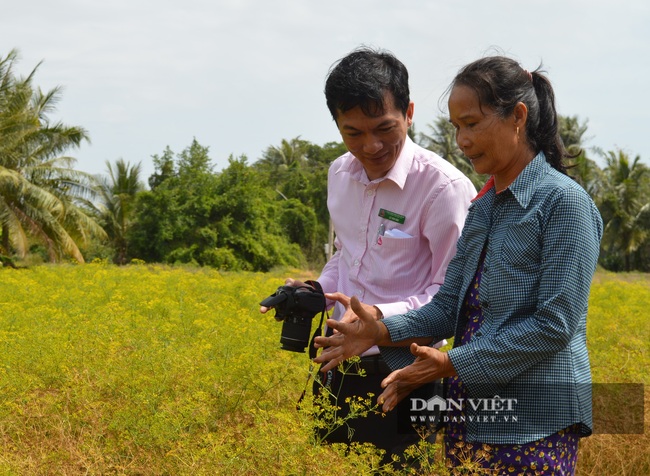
{"x": 430, "y": 364}
{"x": 349, "y": 315}
{"x": 351, "y": 338}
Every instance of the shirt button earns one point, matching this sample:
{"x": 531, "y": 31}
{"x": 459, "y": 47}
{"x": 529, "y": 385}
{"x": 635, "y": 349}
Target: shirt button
{"x": 356, "y": 262}
{"x": 370, "y": 193}
{"x": 486, "y": 305}
{"x": 359, "y": 292}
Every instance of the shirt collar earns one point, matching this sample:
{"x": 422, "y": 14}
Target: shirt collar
{"x": 486, "y": 188}
{"x": 398, "y": 172}
{"x": 525, "y": 184}
{"x": 523, "y": 187}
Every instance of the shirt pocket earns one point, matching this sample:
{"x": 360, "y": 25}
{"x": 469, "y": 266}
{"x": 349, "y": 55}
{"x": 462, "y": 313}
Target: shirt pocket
{"x": 395, "y": 258}
{"x": 521, "y": 247}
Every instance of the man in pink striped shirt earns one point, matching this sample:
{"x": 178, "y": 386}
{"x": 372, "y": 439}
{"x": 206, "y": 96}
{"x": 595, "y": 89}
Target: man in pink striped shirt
{"x": 397, "y": 210}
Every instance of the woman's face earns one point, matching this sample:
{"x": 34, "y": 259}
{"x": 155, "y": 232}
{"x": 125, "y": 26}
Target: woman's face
{"x": 491, "y": 143}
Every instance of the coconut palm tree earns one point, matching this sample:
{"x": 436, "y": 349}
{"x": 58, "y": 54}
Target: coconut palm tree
{"x": 581, "y": 168}
{"x": 117, "y": 201}
{"x": 279, "y": 162}
{"x": 572, "y": 132}
{"x": 42, "y": 197}
{"x": 289, "y": 154}
{"x": 624, "y": 205}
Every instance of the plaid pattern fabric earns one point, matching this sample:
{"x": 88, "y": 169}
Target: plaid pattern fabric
{"x": 543, "y": 239}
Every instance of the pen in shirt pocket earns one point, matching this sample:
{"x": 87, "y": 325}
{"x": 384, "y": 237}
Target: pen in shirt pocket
{"x": 380, "y": 232}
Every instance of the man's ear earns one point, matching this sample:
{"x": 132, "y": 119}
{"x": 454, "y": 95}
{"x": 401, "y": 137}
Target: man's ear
{"x": 409, "y": 114}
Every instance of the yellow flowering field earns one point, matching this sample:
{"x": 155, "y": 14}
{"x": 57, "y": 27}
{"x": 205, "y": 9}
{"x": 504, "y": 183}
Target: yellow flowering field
{"x": 147, "y": 369}
{"x": 619, "y": 348}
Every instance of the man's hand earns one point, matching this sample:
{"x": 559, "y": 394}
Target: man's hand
{"x": 430, "y": 364}
{"x": 287, "y": 282}
{"x": 352, "y": 338}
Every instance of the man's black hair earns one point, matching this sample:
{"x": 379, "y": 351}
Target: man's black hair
{"x": 362, "y": 78}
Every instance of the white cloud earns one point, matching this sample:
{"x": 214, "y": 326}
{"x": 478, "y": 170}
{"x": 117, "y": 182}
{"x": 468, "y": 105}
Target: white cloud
{"x": 242, "y": 75}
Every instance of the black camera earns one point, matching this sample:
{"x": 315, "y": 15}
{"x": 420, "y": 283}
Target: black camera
{"x": 296, "y": 307}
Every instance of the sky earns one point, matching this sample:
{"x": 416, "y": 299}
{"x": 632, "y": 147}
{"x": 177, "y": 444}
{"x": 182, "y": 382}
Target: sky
{"x": 240, "y": 76}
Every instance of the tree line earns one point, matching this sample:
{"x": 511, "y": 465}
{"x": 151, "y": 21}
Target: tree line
{"x": 256, "y": 216}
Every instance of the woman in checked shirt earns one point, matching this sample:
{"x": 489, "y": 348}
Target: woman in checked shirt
{"x": 518, "y": 380}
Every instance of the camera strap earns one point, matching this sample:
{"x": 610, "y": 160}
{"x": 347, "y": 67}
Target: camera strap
{"x": 319, "y": 330}
{"x": 312, "y": 349}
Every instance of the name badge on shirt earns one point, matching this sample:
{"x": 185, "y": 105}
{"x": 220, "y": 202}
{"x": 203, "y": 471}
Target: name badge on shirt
{"x": 392, "y": 216}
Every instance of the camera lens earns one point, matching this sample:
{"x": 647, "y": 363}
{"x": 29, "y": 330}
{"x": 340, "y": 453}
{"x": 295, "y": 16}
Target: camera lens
{"x": 295, "y": 334}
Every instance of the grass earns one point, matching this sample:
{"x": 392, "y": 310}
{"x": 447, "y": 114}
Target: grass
{"x": 618, "y": 336}
{"x": 145, "y": 370}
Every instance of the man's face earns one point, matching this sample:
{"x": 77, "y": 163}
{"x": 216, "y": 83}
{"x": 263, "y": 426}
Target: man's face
{"x": 375, "y": 141}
